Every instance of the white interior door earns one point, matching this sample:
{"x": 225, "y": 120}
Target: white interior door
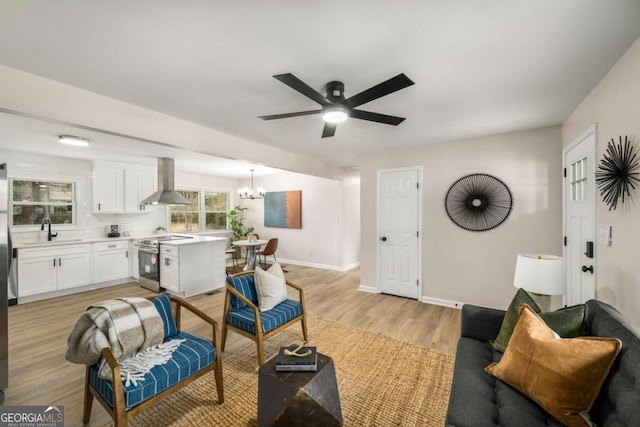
{"x": 580, "y": 218}
{"x": 398, "y": 261}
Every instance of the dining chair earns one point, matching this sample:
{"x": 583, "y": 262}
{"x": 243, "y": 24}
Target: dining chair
{"x": 270, "y": 249}
{"x": 235, "y": 256}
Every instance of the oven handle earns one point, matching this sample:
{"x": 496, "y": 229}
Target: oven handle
{"x": 148, "y": 250}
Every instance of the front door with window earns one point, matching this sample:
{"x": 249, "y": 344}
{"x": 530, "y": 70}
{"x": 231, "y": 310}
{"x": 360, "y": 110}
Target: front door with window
{"x": 580, "y": 218}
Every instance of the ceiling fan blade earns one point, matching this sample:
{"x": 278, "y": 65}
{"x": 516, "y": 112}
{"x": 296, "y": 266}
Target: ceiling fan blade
{"x": 287, "y": 115}
{"x": 298, "y": 85}
{"x": 376, "y": 117}
{"x": 329, "y": 129}
{"x": 385, "y": 88}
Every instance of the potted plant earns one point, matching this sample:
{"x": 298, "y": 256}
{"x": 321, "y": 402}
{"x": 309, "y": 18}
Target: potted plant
{"x": 236, "y": 216}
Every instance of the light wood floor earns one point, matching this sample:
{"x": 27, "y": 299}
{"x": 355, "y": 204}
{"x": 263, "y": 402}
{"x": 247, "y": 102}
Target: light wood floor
{"x": 39, "y": 374}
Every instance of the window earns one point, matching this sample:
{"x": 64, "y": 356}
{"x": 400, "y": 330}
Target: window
{"x": 33, "y": 201}
{"x": 578, "y": 179}
{"x": 215, "y": 210}
{"x": 207, "y": 212}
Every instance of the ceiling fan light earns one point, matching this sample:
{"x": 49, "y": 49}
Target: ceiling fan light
{"x": 73, "y": 140}
{"x": 335, "y": 115}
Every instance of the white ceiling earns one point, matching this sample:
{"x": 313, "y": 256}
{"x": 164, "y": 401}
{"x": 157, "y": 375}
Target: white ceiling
{"x": 480, "y": 66}
{"x": 18, "y": 133}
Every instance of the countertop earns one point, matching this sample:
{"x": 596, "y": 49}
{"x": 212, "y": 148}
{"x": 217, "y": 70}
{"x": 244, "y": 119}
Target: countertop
{"x": 61, "y": 242}
{"x": 195, "y": 239}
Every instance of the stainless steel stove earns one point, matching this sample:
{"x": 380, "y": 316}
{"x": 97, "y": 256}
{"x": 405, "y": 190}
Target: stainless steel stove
{"x": 148, "y": 260}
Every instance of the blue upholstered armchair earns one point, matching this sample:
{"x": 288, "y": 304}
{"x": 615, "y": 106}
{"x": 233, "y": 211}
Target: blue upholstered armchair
{"x": 194, "y": 357}
{"x": 242, "y": 314}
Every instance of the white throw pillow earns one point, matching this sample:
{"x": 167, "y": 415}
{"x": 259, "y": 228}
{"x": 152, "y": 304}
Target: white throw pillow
{"x": 270, "y": 286}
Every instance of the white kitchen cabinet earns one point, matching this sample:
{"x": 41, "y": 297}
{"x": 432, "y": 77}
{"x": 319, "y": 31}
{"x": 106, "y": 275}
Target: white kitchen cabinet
{"x": 120, "y": 187}
{"x": 44, "y": 270}
{"x": 139, "y": 184}
{"x": 74, "y": 269}
{"x": 36, "y": 275}
{"x": 170, "y": 268}
{"x": 111, "y": 261}
{"x": 192, "y": 267}
{"x": 108, "y": 189}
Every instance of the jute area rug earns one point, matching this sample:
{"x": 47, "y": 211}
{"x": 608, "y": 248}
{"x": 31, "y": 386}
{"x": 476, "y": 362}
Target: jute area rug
{"x": 382, "y": 382}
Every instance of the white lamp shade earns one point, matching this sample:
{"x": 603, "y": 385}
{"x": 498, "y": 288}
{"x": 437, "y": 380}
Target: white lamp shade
{"x": 540, "y": 274}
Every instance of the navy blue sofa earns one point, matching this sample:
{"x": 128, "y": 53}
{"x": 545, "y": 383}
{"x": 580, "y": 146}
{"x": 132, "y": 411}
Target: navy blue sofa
{"x": 478, "y": 399}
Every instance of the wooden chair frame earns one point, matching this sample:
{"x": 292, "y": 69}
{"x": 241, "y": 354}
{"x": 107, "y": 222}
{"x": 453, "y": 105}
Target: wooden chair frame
{"x": 119, "y": 412}
{"x": 259, "y": 337}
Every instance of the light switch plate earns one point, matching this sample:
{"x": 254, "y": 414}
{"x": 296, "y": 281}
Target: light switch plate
{"x": 605, "y": 235}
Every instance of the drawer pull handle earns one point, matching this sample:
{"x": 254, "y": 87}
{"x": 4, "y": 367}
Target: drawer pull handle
{"x": 112, "y": 246}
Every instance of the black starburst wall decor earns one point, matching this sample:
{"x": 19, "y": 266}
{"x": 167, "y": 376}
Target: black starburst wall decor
{"x": 616, "y": 175}
{"x": 478, "y": 202}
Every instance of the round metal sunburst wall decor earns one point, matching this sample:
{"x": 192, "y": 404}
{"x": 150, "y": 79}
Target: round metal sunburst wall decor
{"x": 616, "y": 174}
{"x": 478, "y": 202}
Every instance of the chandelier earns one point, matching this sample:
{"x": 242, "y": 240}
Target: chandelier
{"x": 248, "y": 193}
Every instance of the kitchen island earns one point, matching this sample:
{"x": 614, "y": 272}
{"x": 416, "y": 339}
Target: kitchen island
{"x": 193, "y": 266}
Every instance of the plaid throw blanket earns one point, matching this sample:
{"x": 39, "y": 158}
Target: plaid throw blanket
{"x": 125, "y": 325}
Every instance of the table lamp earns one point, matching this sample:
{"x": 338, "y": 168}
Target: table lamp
{"x": 540, "y": 275}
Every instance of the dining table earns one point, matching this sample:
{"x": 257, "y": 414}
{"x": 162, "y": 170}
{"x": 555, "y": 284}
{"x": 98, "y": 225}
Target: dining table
{"x": 251, "y": 251}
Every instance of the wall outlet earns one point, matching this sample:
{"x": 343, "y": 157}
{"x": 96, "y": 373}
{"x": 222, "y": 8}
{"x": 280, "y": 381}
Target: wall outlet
{"x": 310, "y": 252}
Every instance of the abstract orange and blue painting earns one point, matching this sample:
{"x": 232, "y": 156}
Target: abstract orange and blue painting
{"x": 283, "y": 209}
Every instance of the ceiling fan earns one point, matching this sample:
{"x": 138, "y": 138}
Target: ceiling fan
{"x": 335, "y": 108}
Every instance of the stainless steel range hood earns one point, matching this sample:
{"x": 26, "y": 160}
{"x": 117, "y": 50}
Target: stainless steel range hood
{"x": 166, "y": 194}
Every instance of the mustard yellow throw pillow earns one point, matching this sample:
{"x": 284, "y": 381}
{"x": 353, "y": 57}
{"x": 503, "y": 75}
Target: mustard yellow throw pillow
{"x": 563, "y": 376}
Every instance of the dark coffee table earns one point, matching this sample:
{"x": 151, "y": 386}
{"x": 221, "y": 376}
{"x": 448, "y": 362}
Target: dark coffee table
{"x": 299, "y": 398}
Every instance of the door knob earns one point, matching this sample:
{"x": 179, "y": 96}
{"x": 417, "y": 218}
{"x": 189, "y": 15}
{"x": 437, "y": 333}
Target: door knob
{"x": 589, "y": 269}
{"x": 383, "y": 238}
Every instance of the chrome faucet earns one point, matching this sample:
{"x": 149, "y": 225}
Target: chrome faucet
{"x": 49, "y": 235}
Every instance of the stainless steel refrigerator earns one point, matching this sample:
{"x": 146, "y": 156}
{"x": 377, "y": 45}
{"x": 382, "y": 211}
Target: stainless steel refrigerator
{"x": 5, "y": 250}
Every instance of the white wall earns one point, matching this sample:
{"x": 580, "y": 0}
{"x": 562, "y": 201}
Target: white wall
{"x": 351, "y": 222}
{"x": 474, "y": 267}
{"x": 33, "y": 166}
{"x": 330, "y": 229}
{"x": 24, "y": 165}
{"x": 614, "y": 104}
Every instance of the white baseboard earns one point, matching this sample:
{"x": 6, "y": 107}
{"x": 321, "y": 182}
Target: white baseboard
{"x": 370, "y": 289}
{"x": 442, "y": 302}
{"x": 351, "y": 266}
{"x": 314, "y": 265}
